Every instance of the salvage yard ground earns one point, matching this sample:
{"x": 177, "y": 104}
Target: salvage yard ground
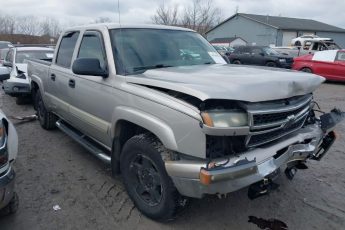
{"x": 52, "y": 169}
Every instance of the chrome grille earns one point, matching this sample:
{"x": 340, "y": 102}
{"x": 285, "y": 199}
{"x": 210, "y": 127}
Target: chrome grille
{"x": 269, "y": 125}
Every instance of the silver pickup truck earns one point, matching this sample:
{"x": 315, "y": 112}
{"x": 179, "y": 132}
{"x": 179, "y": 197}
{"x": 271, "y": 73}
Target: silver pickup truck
{"x": 162, "y": 107}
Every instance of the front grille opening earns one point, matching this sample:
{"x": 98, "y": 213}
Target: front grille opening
{"x": 259, "y": 139}
{"x": 220, "y": 146}
{"x": 262, "y": 119}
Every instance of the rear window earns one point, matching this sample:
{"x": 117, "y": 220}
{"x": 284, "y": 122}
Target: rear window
{"x": 66, "y": 49}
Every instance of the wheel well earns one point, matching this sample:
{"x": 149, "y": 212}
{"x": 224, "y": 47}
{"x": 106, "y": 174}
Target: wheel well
{"x": 123, "y": 132}
{"x": 306, "y": 67}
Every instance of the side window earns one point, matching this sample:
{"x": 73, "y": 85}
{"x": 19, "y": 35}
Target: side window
{"x": 92, "y": 47}
{"x": 246, "y": 50}
{"x": 65, "y": 53}
{"x": 340, "y": 57}
{"x": 256, "y": 51}
{"x": 9, "y": 56}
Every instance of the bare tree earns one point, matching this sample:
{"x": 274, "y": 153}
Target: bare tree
{"x": 166, "y": 15}
{"x": 51, "y": 27}
{"x": 7, "y": 24}
{"x": 28, "y": 25}
{"x": 201, "y": 15}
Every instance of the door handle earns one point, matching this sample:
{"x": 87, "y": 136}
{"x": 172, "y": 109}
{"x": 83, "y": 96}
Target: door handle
{"x": 52, "y": 76}
{"x": 71, "y": 83}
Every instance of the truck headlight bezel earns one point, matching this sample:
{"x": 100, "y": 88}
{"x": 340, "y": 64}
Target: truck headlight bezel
{"x": 225, "y": 118}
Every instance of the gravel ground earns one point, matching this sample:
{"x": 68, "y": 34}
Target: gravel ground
{"x": 52, "y": 169}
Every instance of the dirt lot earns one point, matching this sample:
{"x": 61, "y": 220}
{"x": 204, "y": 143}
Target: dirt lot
{"x": 52, "y": 169}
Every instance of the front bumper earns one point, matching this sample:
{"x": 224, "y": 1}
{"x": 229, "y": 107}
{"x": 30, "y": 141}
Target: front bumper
{"x": 247, "y": 168}
{"x": 6, "y": 187}
{"x": 14, "y": 88}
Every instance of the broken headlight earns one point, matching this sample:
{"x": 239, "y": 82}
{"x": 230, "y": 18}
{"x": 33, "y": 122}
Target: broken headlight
{"x": 225, "y": 118}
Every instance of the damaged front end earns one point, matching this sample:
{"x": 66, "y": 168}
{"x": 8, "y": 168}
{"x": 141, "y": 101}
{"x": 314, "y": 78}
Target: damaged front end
{"x": 248, "y": 144}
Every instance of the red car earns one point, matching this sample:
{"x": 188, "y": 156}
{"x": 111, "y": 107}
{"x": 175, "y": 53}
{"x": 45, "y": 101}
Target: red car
{"x": 329, "y": 64}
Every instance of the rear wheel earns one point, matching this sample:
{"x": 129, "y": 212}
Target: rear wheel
{"x": 307, "y": 70}
{"x": 47, "y": 119}
{"x": 271, "y": 64}
{"x": 237, "y": 62}
{"x": 146, "y": 180}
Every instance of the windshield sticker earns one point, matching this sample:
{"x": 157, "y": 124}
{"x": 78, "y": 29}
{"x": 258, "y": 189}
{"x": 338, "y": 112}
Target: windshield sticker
{"x": 217, "y": 57}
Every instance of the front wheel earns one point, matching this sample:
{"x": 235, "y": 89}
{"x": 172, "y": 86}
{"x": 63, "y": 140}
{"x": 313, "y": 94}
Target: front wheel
{"x": 271, "y": 64}
{"x": 146, "y": 180}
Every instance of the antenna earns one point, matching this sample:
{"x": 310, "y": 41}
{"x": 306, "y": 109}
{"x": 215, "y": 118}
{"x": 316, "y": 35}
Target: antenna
{"x": 118, "y": 10}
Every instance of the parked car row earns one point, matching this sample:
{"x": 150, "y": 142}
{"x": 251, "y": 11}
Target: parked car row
{"x": 329, "y": 63}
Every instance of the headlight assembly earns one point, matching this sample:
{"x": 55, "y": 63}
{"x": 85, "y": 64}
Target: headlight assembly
{"x": 225, "y": 119}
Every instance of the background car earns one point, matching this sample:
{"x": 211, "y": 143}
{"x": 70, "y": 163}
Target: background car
{"x": 19, "y": 84}
{"x": 329, "y": 64}
{"x": 300, "y": 40}
{"x": 4, "y": 48}
{"x": 260, "y": 55}
{"x": 8, "y": 154}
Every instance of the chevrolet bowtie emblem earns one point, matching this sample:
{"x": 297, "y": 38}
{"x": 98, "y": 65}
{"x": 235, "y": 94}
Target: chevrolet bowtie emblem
{"x": 290, "y": 120}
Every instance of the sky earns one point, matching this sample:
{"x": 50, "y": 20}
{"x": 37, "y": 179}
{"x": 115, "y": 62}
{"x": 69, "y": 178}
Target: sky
{"x": 75, "y": 12}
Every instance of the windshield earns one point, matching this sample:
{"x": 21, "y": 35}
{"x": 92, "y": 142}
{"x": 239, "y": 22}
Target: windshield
{"x": 270, "y": 52}
{"x": 332, "y": 46}
{"x": 3, "y": 53}
{"x": 137, "y": 50}
{"x": 36, "y": 54}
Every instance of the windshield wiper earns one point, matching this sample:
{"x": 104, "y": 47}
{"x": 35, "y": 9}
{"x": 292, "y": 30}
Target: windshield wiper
{"x": 144, "y": 68}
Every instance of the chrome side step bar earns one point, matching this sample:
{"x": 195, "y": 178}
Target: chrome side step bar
{"x": 87, "y": 143}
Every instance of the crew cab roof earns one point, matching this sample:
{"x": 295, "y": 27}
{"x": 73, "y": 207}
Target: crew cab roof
{"x": 129, "y": 26}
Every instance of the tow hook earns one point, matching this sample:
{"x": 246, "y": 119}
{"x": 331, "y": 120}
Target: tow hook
{"x": 290, "y": 172}
{"x": 261, "y": 188}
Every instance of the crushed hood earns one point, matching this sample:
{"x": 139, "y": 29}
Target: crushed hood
{"x": 232, "y": 82}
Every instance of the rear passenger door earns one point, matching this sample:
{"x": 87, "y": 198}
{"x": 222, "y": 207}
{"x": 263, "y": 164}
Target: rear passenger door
{"x": 92, "y": 94}
{"x": 60, "y": 79}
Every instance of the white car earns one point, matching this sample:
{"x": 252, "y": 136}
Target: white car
{"x": 19, "y": 84}
{"x": 300, "y": 40}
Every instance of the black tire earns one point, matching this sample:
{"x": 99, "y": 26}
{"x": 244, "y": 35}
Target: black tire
{"x": 236, "y": 62}
{"x": 12, "y": 207}
{"x": 47, "y": 119}
{"x": 307, "y": 70}
{"x": 21, "y": 100}
{"x": 298, "y": 43}
{"x": 271, "y": 64}
{"x": 146, "y": 180}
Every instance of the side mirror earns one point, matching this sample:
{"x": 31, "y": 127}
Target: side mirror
{"x": 4, "y": 73}
{"x": 88, "y": 66}
{"x": 7, "y": 64}
{"x": 262, "y": 54}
